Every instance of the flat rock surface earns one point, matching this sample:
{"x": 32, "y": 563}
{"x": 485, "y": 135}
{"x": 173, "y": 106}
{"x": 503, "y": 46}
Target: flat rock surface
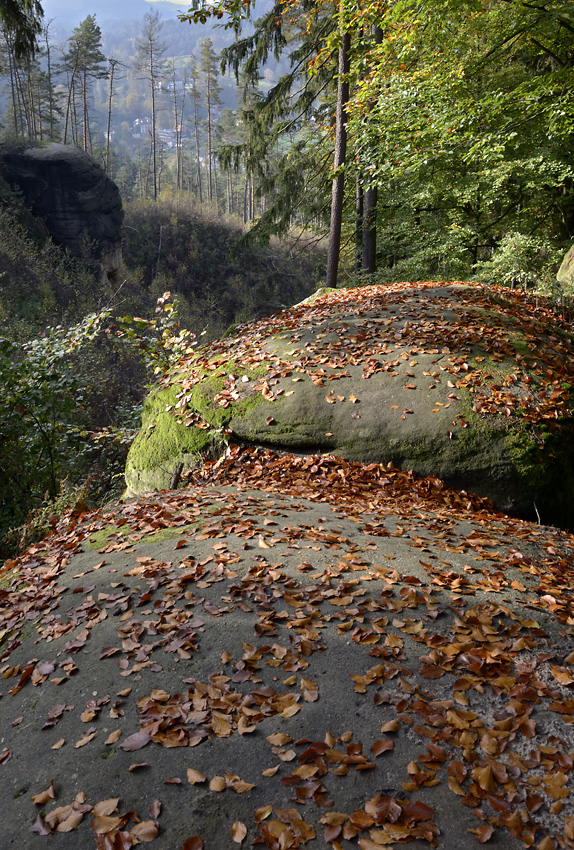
{"x": 296, "y": 652}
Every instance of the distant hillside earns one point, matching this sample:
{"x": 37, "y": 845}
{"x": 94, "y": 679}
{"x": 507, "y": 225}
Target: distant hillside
{"x": 68, "y": 13}
{"x": 73, "y": 12}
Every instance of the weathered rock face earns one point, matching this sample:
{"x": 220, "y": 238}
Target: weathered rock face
{"x": 472, "y": 384}
{"x": 566, "y": 271}
{"x": 80, "y": 206}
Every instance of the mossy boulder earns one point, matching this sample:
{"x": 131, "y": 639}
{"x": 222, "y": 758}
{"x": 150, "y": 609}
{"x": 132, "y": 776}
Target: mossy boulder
{"x": 469, "y": 383}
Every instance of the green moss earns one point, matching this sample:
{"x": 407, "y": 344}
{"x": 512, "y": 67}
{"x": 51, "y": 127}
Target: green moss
{"x": 321, "y": 290}
{"x": 163, "y": 442}
{"x": 101, "y": 538}
{"x": 6, "y": 578}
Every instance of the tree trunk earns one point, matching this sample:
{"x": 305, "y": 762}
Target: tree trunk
{"x": 359, "y": 213}
{"x": 111, "y": 94}
{"x": 197, "y": 152}
{"x": 153, "y": 136}
{"x": 338, "y": 188}
{"x": 209, "y": 174}
{"x": 371, "y": 200}
{"x": 85, "y": 108}
{"x": 370, "y": 230}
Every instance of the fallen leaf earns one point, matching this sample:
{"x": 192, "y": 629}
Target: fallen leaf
{"x": 145, "y": 831}
{"x": 483, "y": 833}
{"x": 44, "y": 796}
{"x": 218, "y": 784}
{"x": 382, "y": 746}
{"x": 106, "y": 807}
{"x": 135, "y": 742}
{"x": 238, "y": 832}
{"x": 113, "y": 737}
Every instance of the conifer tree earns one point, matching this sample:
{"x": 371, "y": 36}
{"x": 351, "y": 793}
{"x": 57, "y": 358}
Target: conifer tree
{"x": 209, "y": 67}
{"x": 151, "y": 64}
{"x": 85, "y": 62}
{"x": 196, "y": 103}
{"x": 22, "y": 21}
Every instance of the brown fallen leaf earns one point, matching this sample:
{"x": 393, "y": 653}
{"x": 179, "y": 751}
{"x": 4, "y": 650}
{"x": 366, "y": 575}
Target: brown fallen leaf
{"x": 562, "y": 675}
{"x": 279, "y": 739}
{"x": 483, "y": 833}
{"x": 154, "y": 809}
{"x": 270, "y": 771}
{"x": 195, "y": 776}
{"x": 382, "y": 746}
{"x": 310, "y": 690}
{"x": 145, "y": 831}
{"x": 71, "y": 822}
{"x": 238, "y": 832}
{"x": 86, "y": 739}
{"x": 218, "y": 784}
{"x": 103, "y": 824}
{"x": 194, "y": 843}
{"x": 40, "y": 827}
{"x": 135, "y": 742}
{"x": 44, "y": 796}
{"x": 113, "y": 737}
{"x": 106, "y": 807}
{"x": 59, "y": 744}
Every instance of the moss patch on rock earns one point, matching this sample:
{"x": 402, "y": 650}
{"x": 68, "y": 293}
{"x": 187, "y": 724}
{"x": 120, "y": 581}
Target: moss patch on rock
{"x": 100, "y": 539}
{"x": 183, "y": 423}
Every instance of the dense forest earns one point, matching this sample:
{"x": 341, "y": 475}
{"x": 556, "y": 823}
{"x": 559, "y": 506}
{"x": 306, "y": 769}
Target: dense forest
{"x": 420, "y": 140}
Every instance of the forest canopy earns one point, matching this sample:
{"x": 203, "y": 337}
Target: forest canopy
{"x": 458, "y": 114}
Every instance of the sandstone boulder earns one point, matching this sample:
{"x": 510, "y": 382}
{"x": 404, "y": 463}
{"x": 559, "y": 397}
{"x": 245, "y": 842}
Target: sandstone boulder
{"x": 468, "y": 383}
{"x": 78, "y": 203}
{"x": 566, "y": 271}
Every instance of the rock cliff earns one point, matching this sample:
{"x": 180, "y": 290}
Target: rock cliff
{"x": 79, "y": 205}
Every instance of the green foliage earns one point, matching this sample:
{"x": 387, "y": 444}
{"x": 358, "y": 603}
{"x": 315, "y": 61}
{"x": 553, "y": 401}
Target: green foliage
{"x": 174, "y": 243}
{"x": 54, "y": 405}
{"x": 39, "y": 282}
{"x": 42, "y": 404}
{"x": 21, "y": 20}
{"x": 463, "y": 119}
{"x": 522, "y": 261}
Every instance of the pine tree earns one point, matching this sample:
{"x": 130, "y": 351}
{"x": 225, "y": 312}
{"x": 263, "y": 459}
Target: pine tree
{"x": 196, "y": 102}
{"x": 33, "y": 101}
{"x": 209, "y": 67}
{"x": 84, "y": 62}
{"x": 150, "y": 62}
{"x": 115, "y": 69}
{"x": 290, "y": 166}
{"x": 22, "y": 21}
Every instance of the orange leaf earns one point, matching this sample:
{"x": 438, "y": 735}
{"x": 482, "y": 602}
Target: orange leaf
{"x": 382, "y": 746}
{"x": 483, "y": 833}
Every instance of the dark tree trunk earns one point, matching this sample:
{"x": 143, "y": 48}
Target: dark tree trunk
{"x": 359, "y": 212}
{"x": 371, "y": 199}
{"x": 370, "y": 230}
{"x": 338, "y": 188}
